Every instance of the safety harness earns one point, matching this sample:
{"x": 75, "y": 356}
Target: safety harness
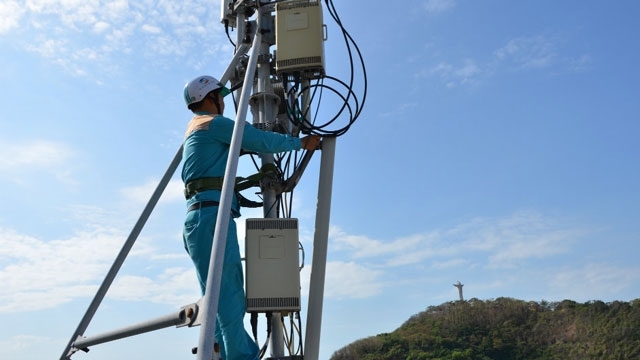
{"x": 242, "y": 183}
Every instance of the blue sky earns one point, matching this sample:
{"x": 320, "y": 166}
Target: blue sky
{"x": 498, "y": 147}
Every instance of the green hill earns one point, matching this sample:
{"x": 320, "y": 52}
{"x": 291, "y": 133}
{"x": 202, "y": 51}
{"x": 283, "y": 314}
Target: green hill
{"x": 509, "y": 329}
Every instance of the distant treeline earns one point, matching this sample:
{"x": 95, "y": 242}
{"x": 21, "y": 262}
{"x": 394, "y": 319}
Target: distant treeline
{"x": 509, "y": 329}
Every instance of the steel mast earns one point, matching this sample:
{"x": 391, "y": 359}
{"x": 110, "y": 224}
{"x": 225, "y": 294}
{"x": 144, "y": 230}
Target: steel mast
{"x": 264, "y": 105}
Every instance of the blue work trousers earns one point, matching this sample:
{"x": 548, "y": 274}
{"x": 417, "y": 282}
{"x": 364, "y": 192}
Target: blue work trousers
{"x": 199, "y": 226}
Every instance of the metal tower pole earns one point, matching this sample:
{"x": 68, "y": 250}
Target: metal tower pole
{"x": 320, "y": 241}
{"x": 214, "y": 278}
{"x": 264, "y": 105}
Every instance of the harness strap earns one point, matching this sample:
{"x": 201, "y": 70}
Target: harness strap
{"x": 215, "y": 183}
{"x": 202, "y": 184}
{"x": 267, "y": 170}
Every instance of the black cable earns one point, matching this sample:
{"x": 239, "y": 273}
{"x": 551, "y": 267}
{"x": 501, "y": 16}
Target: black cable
{"x": 352, "y": 103}
{"x": 226, "y": 30}
{"x": 254, "y": 325}
{"x": 300, "y": 345}
{"x": 263, "y": 350}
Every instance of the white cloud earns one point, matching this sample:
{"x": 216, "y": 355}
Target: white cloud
{"x": 151, "y": 29}
{"x": 10, "y": 12}
{"x": 351, "y": 280}
{"x": 49, "y": 48}
{"x": 518, "y": 54}
{"x": 174, "y": 286}
{"x": 455, "y": 75}
{"x": 39, "y": 274}
{"x": 451, "y": 263}
{"x": 40, "y": 5}
{"x": 467, "y": 71}
{"x": 500, "y": 242}
{"x": 19, "y": 158}
{"x": 528, "y": 52}
{"x": 21, "y": 344}
{"x": 117, "y": 8}
{"x": 438, "y": 6}
{"x": 61, "y": 29}
{"x": 442, "y": 68}
{"x": 142, "y": 193}
{"x": 38, "y": 153}
{"x": 101, "y": 26}
{"x": 594, "y": 278}
{"x": 581, "y": 63}
{"x": 537, "y": 245}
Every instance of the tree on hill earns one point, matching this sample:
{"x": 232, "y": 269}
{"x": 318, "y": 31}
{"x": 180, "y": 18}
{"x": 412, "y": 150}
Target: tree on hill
{"x": 507, "y": 329}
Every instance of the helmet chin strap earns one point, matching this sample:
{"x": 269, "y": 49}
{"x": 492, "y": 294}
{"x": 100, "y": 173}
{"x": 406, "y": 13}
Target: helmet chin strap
{"x": 216, "y": 102}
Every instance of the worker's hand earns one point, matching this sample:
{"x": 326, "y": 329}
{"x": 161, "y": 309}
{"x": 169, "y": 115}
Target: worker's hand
{"x": 310, "y": 142}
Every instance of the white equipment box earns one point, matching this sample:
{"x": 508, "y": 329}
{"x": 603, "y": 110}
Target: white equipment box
{"x": 300, "y": 38}
{"x": 272, "y": 265}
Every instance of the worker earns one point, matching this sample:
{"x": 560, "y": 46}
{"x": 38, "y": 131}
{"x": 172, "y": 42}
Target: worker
{"x": 206, "y": 149}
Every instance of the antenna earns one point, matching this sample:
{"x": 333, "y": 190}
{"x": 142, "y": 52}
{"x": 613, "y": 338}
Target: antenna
{"x": 459, "y": 286}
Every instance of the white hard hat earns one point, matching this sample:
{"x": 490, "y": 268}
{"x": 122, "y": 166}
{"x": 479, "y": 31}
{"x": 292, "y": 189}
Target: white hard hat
{"x": 196, "y": 89}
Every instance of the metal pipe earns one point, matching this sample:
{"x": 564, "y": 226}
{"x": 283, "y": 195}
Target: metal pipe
{"x": 122, "y": 255}
{"x": 263, "y": 95}
{"x": 140, "y": 328}
{"x": 320, "y": 241}
{"x": 214, "y": 278}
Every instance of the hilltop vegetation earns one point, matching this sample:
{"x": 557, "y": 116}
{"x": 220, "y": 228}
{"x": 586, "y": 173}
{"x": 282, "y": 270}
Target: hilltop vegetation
{"x": 508, "y": 329}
